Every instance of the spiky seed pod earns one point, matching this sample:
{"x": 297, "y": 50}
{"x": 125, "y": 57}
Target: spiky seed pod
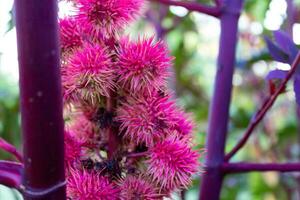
{"x": 70, "y": 36}
{"x": 184, "y": 125}
{"x": 89, "y": 75}
{"x": 146, "y": 119}
{"x": 120, "y": 85}
{"x": 72, "y": 148}
{"x": 138, "y": 188}
{"x": 107, "y": 16}
{"x": 172, "y": 163}
{"x": 83, "y": 128}
{"x": 143, "y": 65}
{"x": 83, "y": 185}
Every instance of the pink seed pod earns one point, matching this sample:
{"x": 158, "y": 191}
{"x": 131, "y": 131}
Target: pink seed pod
{"x": 70, "y": 36}
{"x": 172, "y": 163}
{"x": 107, "y": 16}
{"x": 83, "y": 128}
{"x": 143, "y": 65}
{"x": 89, "y": 75}
{"x": 146, "y": 119}
{"x": 138, "y": 188}
{"x": 184, "y": 125}
{"x": 83, "y": 185}
{"x": 73, "y": 149}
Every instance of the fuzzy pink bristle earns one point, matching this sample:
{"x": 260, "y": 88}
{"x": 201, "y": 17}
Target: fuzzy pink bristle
{"x": 89, "y": 74}
{"x": 143, "y": 65}
{"x": 83, "y": 185}
{"x": 107, "y": 16}
{"x": 73, "y": 149}
{"x": 172, "y": 163}
{"x": 146, "y": 119}
{"x": 138, "y": 188}
{"x": 70, "y": 36}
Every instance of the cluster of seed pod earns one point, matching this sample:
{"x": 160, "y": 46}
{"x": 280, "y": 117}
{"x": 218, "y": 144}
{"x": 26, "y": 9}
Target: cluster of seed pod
{"x": 125, "y": 138}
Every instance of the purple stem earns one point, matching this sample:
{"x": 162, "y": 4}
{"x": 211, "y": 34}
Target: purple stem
{"x": 194, "y": 6}
{"x": 114, "y": 139}
{"x": 262, "y": 111}
{"x": 10, "y": 174}
{"x": 218, "y": 3}
{"x": 41, "y": 99}
{"x": 219, "y": 108}
{"x": 10, "y": 149}
{"x": 250, "y": 167}
{"x": 290, "y": 16}
{"x": 160, "y": 31}
{"x": 137, "y": 155}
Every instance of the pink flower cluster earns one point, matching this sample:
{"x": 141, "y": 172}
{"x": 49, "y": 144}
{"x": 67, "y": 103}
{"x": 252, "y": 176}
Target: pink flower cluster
{"x": 125, "y": 138}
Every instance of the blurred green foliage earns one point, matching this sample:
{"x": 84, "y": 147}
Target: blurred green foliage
{"x": 257, "y": 9}
{"x": 9, "y": 113}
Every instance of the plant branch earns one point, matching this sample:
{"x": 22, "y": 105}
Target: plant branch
{"x": 137, "y": 155}
{"x": 10, "y": 149}
{"x": 112, "y": 130}
{"x": 250, "y": 167}
{"x": 114, "y": 139}
{"x": 193, "y": 6}
{"x": 220, "y": 104}
{"x": 263, "y": 110}
{"x": 10, "y": 174}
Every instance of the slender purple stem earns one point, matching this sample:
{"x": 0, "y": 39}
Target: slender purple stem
{"x": 160, "y": 31}
{"x": 194, "y": 6}
{"x": 137, "y": 155}
{"x": 250, "y": 167}
{"x": 219, "y": 108}
{"x": 10, "y": 149}
{"x": 218, "y": 3}
{"x": 41, "y": 99}
{"x": 262, "y": 111}
{"x": 10, "y": 174}
{"x": 290, "y": 16}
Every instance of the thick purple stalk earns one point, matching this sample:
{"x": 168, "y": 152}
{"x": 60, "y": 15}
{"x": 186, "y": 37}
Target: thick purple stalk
{"x": 219, "y": 108}
{"x": 41, "y": 99}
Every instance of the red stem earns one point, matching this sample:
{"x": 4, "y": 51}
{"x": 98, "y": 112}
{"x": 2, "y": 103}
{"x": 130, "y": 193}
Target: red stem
{"x": 193, "y": 6}
{"x": 250, "y": 167}
{"x": 219, "y": 108}
{"x": 41, "y": 99}
{"x": 112, "y": 131}
{"x": 10, "y": 149}
{"x": 262, "y": 111}
{"x": 114, "y": 139}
